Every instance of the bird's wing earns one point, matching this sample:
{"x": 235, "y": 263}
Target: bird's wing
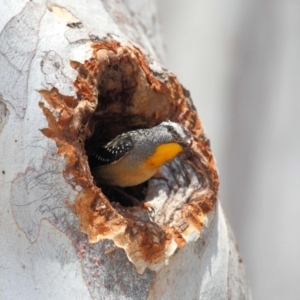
{"x": 113, "y": 151}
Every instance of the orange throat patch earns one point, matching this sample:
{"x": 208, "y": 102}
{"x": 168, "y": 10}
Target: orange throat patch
{"x": 162, "y": 154}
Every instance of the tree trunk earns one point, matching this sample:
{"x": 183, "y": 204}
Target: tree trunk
{"x": 75, "y": 75}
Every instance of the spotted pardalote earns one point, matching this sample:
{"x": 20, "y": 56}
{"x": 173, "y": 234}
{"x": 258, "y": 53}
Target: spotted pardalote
{"x": 133, "y": 157}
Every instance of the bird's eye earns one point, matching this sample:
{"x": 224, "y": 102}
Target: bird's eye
{"x": 170, "y": 128}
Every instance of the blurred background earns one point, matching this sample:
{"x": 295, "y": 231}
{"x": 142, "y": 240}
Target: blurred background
{"x": 241, "y": 62}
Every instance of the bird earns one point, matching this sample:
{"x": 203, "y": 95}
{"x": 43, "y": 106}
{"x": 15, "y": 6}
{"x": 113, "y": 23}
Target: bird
{"x": 134, "y": 157}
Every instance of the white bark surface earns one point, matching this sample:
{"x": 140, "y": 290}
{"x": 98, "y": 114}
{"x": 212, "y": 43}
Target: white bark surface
{"x": 43, "y": 252}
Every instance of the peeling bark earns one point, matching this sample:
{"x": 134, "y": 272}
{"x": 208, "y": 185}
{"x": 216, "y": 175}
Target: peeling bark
{"x": 78, "y": 82}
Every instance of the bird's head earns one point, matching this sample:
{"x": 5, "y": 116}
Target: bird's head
{"x": 177, "y": 133}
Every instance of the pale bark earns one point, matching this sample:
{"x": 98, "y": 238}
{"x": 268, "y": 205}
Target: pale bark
{"x": 58, "y": 232}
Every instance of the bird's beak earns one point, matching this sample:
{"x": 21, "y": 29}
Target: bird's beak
{"x": 187, "y": 142}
